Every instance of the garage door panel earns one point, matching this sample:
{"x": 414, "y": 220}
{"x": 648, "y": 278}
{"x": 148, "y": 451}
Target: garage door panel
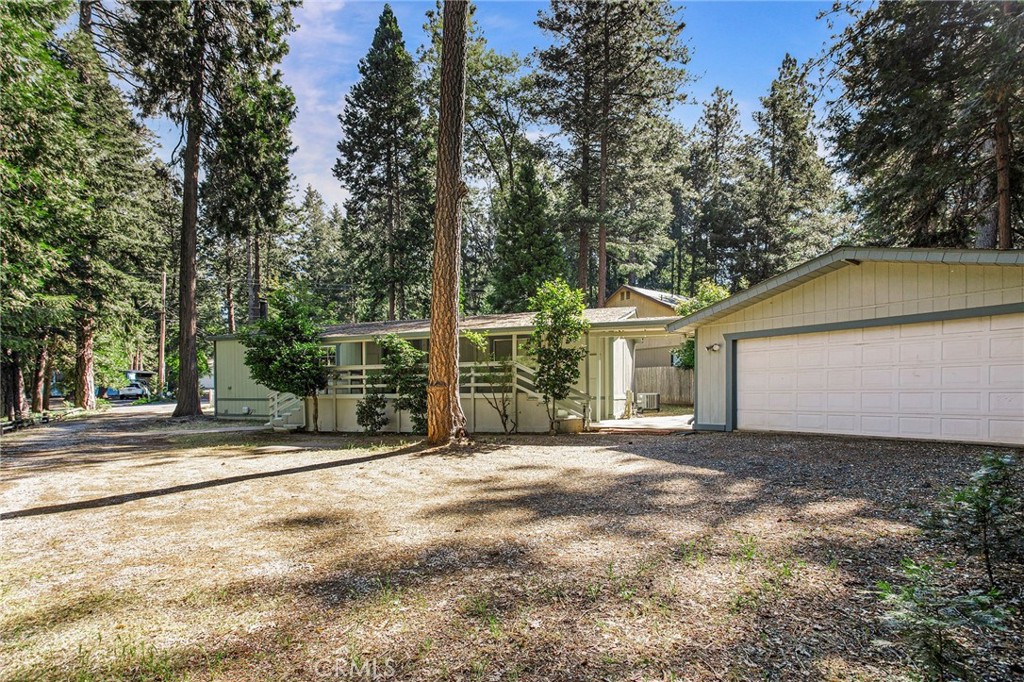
{"x": 962, "y": 381}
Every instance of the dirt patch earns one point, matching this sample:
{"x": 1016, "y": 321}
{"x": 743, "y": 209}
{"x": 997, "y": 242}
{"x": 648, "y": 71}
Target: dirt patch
{"x": 157, "y": 554}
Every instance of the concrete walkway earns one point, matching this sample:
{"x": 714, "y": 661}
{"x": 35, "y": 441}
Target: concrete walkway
{"x": 657, "y": 424}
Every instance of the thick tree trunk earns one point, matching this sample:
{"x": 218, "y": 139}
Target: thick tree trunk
{"x": 1002, "y": 138}
{"x": 85, "y": 16}
{"x": 445, "y": 420}
{"x": 316, "y": 413}
{"x": 85, "y": 370}
{"x": 20, "y": 404}
{"x": 39, "y": 387}
{"x": 188, "y": 366}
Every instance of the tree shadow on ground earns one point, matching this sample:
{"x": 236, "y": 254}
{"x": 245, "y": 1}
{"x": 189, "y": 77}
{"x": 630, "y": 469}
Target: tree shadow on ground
{"x": 112, "y": 500}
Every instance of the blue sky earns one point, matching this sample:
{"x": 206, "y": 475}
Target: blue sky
{"x": 738, "y": 45}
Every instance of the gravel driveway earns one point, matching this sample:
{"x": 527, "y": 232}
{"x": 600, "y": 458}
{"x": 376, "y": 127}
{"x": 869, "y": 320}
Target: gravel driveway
{"x": 142, "y": 547}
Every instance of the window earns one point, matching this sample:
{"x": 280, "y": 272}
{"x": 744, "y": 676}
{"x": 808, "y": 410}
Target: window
{"x": 350, "y": 353}
{"x": 372, "y": 353}
{"x": 501, "y": 347}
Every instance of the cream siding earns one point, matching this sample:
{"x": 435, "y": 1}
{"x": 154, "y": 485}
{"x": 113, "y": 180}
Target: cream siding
{"x": 871, "y": 290}
{"x": 235, "y": 389}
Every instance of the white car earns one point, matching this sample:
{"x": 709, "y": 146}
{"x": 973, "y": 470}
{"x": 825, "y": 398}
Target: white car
{"x": 133, "y": 391}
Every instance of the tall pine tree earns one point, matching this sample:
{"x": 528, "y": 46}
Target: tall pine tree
{"x": 384, "y": 164}
{"x": 182, "y": 55}
{"x": 928, "y": 121}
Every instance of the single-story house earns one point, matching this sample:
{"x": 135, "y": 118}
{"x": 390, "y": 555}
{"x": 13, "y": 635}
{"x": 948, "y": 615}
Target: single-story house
{"x": 655, "y": 351}
{"x": 908, "y": 343}
{"x": 605, "y": 375}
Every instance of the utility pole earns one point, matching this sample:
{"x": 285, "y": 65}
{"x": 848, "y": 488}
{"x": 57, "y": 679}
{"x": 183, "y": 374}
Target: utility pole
{"x": 161, "y": 364}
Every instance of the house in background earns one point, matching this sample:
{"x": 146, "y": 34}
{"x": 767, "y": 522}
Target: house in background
{"x": 605, "y": 375}
{"x": 657, "y": 350}
{"x": 908, "y": 343}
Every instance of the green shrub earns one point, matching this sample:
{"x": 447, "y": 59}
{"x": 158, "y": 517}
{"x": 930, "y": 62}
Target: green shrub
{"x": 370, "y": 412}
{"x": 405, "y": 373}
{"x": 932, "y": 625}
{"x": 986, "y": 516}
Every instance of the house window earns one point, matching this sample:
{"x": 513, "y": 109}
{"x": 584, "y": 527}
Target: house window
{"x": 627, "y": 294}
{"x": 501, "y": 347}
{"x": 372, "y": 353}
{"x": 350, "y": 353}
{"x": 622, "y": 295}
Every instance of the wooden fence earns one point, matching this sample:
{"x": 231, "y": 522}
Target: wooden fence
{"x": 675, "y": 385}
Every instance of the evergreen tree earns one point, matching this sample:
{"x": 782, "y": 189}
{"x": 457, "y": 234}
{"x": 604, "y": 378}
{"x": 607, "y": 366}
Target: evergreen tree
{"x": 182, "y": 55}
{"x": 322, "y": 253}
{"x": 925, "y": 122}
{"x": 384, "y": 163}
{"x": 787, "y": 188}
{"x": 528, "y": 250}
{"x": 713, "y": 172}
{"x": 41, "y": 197}
{"x": 245, "y": 190}
{"x": 612, "y": 70}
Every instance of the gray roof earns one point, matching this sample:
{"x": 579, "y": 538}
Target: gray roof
{"x": 661, "y": 296}
{"x": 507, "y": 322}
{"x": 838, "y": 258}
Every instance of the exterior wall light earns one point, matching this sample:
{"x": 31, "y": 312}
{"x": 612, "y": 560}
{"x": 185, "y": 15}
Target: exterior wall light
{"x": 714, "y": 348}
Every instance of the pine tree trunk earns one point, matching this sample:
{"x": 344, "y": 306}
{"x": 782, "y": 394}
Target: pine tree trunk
{"x": 602, "y": 166}
{"x": 85, "y": 374}
{"x": 583, "y": 258}
{"x": 188, "y": 365}
{"x": 48, "y": 377}
{"x": 252, "y": 277}
{"x": 1002, "y": 136}
{"x": 988, "y": 231}
{"x": 39, "y": 386}
{"x": 20, "y": 404}
{"x": 445, "y": 420}
{"x": 316, "y": 413}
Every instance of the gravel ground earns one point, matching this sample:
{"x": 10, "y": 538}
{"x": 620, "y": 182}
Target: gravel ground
{"x": 140, "y": 547}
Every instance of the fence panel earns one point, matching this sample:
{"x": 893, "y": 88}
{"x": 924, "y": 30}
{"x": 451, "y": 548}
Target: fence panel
{"x": 675, "y": 385}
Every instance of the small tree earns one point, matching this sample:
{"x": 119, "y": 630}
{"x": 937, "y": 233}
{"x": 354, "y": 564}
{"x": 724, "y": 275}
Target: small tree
{"x": 932, "y": 623}
{"x": 708, "y": 293}
{"x": 499, "y": 374}
{"x": 405, "y": 373}
{"x": 986, "y": 516}
{"x": 558, "y": 326}
{"x": 283, "y": 351}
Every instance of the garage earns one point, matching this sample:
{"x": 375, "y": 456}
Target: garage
{"x": 954, "y": 379}
{"x": 898, "y": 343}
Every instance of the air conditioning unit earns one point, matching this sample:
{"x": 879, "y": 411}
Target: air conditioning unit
{"x": 648, "y": 402}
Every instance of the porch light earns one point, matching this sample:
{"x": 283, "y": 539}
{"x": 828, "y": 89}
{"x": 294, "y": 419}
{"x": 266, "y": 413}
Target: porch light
{"x": 714, "y": 348}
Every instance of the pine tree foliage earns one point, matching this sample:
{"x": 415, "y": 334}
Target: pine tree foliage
{"x": 787, "y": 188}
{"x": 322, "y": 252}
{"x": 612, "y": 70}
{"x": 930, "y": 91}
{"x": 384, "y": 163}
{"x": 528, "y": 250}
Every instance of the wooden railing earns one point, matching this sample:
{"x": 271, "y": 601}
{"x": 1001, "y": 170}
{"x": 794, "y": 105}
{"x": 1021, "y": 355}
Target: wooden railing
{"x": 284, "y": 405}
{"x": 474, "y": 378}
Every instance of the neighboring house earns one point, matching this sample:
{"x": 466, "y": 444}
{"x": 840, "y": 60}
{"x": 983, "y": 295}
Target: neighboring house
{"x": 605, "y": 376}
{"x": 655, "y": 351}
{"x": 909, "y": 343}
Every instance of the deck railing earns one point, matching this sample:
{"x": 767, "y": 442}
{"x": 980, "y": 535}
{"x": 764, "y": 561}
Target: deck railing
{"x": 474, "y": 378}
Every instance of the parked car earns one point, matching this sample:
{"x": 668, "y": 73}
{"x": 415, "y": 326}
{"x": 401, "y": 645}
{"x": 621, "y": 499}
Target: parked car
{"x": 133, "y": 391}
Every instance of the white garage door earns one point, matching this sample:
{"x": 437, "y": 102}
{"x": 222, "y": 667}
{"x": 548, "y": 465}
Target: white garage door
{"x": 951, "y": 380}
